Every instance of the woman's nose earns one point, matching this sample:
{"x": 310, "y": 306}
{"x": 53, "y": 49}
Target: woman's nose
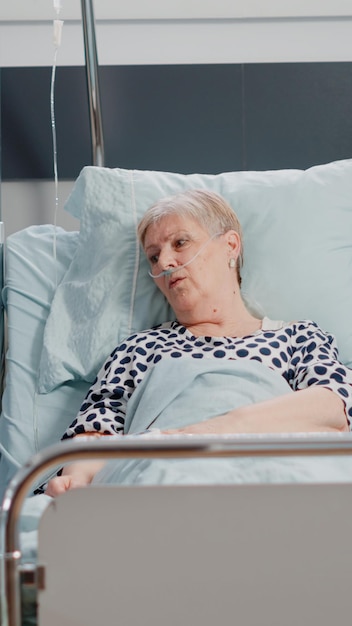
{"x": 166, "y": 259}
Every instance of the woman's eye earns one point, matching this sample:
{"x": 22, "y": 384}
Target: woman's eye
{"x": 180, "y": 243}
{"x": 153, "y": 259}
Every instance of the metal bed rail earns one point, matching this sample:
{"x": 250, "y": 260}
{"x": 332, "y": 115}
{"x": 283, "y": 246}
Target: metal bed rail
{"x": 162, "y": 446}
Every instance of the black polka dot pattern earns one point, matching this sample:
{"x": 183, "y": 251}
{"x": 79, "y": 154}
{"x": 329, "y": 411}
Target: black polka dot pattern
{"x": 301, "y": 352}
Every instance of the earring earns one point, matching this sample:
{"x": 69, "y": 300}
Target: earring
{"x": 232, "y": 262}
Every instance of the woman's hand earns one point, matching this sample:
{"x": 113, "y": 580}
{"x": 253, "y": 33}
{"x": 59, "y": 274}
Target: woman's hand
{"x": 60, "y": 484}
{"x": 79, "y": 474}
{"x": 75, "y": 475}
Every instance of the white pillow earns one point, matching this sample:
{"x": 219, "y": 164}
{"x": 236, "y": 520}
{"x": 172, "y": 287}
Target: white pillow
{"x": 297, "y": 248}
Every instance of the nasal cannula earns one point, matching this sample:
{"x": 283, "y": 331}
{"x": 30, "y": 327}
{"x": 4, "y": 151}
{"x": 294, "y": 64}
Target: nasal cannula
{"x": 171, "y": 270}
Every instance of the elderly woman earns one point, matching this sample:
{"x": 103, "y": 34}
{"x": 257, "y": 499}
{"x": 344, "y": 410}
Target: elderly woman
{"x": 193, "y": 244}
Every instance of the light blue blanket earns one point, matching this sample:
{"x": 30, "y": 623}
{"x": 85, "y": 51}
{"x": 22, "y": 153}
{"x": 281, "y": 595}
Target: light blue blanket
{"x": 175, "y": 394}
{"x": 178, "y": 393}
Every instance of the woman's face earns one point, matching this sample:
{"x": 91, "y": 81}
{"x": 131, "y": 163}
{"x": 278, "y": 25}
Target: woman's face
{"x": 192, "y": 290}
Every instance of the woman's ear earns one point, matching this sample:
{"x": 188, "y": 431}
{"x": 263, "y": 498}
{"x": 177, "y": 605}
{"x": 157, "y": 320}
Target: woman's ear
{"x": 233, "y": 241}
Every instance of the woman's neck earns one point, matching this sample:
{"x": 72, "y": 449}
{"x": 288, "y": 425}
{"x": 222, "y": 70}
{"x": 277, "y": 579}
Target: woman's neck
{"x": 237, "y": 323}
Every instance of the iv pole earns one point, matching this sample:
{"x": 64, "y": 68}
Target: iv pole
{"x": 91, "y": 57}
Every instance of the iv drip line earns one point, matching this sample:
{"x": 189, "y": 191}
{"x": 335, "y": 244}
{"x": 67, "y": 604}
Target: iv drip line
{"x": 53, "y": 129}
{"x": 171, "y": 270}
{"x": 57, "y": 6}
{"x": 58, "y": 24}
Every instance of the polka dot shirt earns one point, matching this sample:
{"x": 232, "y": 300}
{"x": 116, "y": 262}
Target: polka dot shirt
{"x": 301, "y": 352}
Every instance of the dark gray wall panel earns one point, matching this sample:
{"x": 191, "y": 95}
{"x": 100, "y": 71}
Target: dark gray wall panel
{"x": 26, "y": 122}
{"x": 181, "y": 118}
{"x": 297, "y": 115}
{"x": 189, "y": 118}
{"x": 178, "y": 118}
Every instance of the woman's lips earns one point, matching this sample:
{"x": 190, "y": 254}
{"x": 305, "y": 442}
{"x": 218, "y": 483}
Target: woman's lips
{"x": 174, "y": 281}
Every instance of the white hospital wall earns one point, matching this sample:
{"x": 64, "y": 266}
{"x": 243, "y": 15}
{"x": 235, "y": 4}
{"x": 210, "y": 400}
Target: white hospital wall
{"x": 159, "y": 32}
{"x": 34, "y": 202}
{"x": 140, "y": 32}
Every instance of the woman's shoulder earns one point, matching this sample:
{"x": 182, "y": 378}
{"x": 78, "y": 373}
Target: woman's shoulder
{"x": 292, "y": 327}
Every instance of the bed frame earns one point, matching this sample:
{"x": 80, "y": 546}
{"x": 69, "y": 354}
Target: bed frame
{"x": 237, "y": 552}
{"x": 217, "y": 576}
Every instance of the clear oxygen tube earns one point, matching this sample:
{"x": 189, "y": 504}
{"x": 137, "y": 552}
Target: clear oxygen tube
{"x": 171, "y": 270}
{"x": 57, "y": 33}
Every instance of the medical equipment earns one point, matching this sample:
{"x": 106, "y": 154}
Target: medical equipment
{"x": 58, "y": 25}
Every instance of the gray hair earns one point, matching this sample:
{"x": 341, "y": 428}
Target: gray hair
{"x": 207, "y": 208}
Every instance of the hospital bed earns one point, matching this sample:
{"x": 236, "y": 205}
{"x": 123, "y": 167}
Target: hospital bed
{"x": 269, "y": 547}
